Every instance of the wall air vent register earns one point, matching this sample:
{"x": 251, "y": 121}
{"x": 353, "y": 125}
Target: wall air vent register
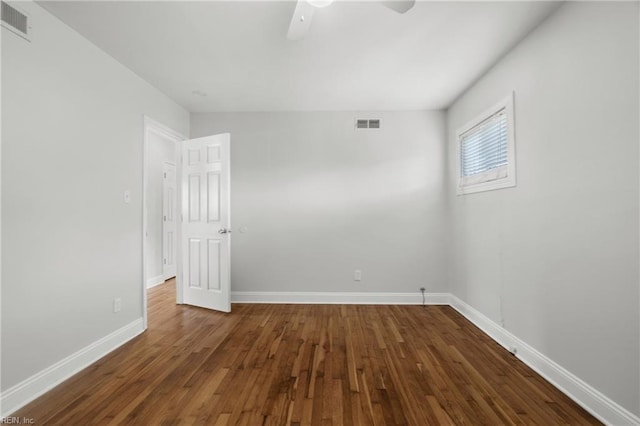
{"x": 15, "y": 20}
{"x": 368, "y": 123}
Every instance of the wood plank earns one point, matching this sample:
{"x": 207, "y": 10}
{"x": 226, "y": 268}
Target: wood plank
{"x": 306, "y": 365}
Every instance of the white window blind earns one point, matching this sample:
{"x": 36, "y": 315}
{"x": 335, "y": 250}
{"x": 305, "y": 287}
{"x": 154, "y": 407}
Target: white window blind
{"x": 486, "y": 150}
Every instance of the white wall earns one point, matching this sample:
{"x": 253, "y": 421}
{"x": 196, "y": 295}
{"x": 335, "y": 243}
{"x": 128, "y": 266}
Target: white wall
{"x": 320, "y": 200}
{"x": 72, "y": 137}
{"x": 555, "y": 259}
{"x": 161, "y": 150}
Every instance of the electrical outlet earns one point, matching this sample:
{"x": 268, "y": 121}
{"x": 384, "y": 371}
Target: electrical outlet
{"x": 117, "y": 304}
{"x": 357, "y": 275}
{"x": 422, "y": 289}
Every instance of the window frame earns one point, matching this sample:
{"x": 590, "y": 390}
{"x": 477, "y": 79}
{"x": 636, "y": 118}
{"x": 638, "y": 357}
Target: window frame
{"x": 489, "y": 184}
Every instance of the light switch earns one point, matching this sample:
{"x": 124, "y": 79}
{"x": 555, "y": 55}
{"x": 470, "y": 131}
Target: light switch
{"x": 127, "y": 196}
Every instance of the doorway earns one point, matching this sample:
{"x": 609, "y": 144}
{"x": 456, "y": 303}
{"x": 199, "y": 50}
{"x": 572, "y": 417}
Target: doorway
{"x": 186, "y": 216}
{"x": 160, "y": 208}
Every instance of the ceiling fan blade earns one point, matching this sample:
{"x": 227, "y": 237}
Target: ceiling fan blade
{"x": 400, "y": 6}
{"x": 300, "y": 21}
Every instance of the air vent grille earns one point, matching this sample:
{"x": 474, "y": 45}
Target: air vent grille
{"x": 362, "y": 124}
{"x": 368, "y": 123}
{"x": 15, "y": 21}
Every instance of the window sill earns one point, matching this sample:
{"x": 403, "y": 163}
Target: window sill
{"x": 486, "y": 186}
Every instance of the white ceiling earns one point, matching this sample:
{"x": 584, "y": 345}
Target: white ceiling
{"x": 356, "y": 56}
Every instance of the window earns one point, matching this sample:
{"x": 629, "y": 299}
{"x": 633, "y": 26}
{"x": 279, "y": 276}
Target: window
{"x": 486, "y": 150}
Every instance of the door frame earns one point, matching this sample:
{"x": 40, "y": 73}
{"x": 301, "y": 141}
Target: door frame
{"x": 150, "y": 125}
{"x": 176, "y": 206}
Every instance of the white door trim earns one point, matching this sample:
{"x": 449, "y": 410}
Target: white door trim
{"x": 150, "y": 125}
{"x": 169, "y": 205}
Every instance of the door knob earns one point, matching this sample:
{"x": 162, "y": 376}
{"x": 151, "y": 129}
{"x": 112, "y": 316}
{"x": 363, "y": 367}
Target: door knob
{"x": 224, "y": 231}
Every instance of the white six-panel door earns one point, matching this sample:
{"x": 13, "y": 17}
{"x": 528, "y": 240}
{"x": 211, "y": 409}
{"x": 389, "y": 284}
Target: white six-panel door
{"x": 205, "y": 222}
{"x": 169, "y": 221}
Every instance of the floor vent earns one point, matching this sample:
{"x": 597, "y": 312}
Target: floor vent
{"x": 15, "y": 21}
{"x": 368, "y": 123}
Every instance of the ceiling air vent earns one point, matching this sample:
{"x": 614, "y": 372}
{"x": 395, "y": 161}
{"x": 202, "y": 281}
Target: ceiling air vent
{"x": 367, "y": 123}
{"x": 14, "y": 20}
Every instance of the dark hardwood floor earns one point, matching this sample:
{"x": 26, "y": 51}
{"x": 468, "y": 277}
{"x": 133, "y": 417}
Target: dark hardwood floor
{"x": 307, "y": 365}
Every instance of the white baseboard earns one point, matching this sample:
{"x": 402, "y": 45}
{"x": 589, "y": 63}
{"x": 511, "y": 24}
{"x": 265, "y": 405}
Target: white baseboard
{"x": 154, "y": 281}
{"x": 345, "y": 298}
{"x": 601, "y": 407}
{"x": 21, "y": 394}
